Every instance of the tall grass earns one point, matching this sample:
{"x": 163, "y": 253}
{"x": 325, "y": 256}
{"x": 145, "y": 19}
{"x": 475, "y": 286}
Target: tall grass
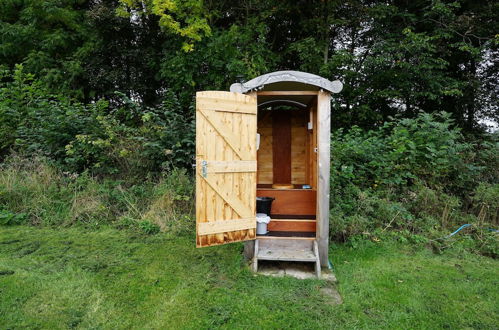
{"x": 34, "y": 192}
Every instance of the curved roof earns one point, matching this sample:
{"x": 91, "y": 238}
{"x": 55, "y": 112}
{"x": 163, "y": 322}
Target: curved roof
{"x": 287, "y": 80}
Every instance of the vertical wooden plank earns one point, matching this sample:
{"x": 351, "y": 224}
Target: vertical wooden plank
{"x": 211, "y": 195}
{"x": 242, "y": 191}
{"x": 264, "y": 154}
{"x": 299, "y": 133}
{"x": 313, "y": 148}
{"x": 200, "y": 211}
{"x": 307, "y": 148}
{"x": 281, "y": 147}
{"x": 230, "y": 156}
{"x": 323, "y": 168}
{"x": 252, "y": 128}
{"x": 250, "y": 244}
{"x": 219, "y": 147}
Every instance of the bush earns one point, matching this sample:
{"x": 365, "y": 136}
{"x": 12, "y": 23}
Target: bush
{"x": 125, "y": 141}
{"x": 486, "y": 203}
{"x": 425, "y": 202}
{"x": 427, "y": 147}
{"x": 413, "y": 177}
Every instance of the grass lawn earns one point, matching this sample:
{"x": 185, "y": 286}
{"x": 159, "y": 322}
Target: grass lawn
{"x": 63, "y": 278}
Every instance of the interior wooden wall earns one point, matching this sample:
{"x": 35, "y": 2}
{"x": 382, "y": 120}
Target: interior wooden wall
{"x": 299, "y": 147}
{"x": 299, "y": 161}
{"x": 264, "y": 154}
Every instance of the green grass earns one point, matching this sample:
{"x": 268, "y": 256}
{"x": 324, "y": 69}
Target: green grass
{"x": 64, "y": 278}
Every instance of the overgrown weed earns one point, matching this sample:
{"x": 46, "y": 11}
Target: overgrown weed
{"x": 34, "y": 192}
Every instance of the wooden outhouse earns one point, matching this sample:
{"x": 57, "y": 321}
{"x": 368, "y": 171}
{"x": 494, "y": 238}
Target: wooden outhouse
{"x": 268, "y": 137}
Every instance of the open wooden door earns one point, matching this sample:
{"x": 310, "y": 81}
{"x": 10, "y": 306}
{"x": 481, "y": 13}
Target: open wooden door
{"x": 225, "y": 168}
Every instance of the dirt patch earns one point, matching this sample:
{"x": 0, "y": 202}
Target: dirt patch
{"x": 299, "y": 270}
{"x": 331, "y": 295}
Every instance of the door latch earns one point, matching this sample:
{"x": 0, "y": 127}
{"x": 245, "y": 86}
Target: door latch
{"x": 204, "y": 168}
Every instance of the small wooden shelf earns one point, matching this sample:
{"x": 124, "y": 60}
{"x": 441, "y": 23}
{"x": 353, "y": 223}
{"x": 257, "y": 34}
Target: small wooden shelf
{"x": 285, "y": 189}
{"x": 293, "y": 234}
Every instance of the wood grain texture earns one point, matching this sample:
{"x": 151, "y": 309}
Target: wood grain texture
{"x": 224, "y": 105}
{"x": 312, "y": 148}
{"x": 299, "y": 148}
{"x": 323, "y": 168}
{"x": 291, "y": 202}
{"x": 264, "y": 158}
{"x": 291, "y": 225}
{"x": 215, "y": 227}
{"x": 226, "y": 139}
{"x": 299, "y": 132}
{"x": 281, "y": 146}
{"x": 231, "y": 166}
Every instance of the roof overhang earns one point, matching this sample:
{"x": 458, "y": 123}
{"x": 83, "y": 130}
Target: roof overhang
{"x": 288, "y": 80}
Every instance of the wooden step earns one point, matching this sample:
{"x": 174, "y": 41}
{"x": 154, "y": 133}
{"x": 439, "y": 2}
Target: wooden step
{"x": 286, "y": 255}
{"x": 286, "y": 243}
{"x": 287, "y": 249}
{"x": 299, "y": 225}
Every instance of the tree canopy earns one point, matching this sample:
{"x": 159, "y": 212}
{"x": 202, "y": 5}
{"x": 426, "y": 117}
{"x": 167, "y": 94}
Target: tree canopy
{"x": 394, "y": 57}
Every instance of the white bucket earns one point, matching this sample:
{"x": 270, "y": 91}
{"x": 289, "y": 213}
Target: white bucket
{"x": 261, "y": 223}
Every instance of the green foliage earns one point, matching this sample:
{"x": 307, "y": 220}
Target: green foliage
{"x": 132, "y": 142}
{"x": 413, "y": 178}
{"x": 127, "y": 141}
{"x": 50, "y": 38}
{"x": 427, "y": 147}
{"x": 103, "y": 90}
{"x": 9, "y": 218}
{"x": 184, "y": 18}
{"x": 33, "y": 192}
{"x": 148, "y": 227}
{"x": 486, "y": 203}
{"x": 393, "y": 57}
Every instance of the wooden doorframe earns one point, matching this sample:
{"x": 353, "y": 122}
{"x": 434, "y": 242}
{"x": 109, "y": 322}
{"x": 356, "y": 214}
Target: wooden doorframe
{"x": 322, "y": 121}
{"x": 323, "y": 173}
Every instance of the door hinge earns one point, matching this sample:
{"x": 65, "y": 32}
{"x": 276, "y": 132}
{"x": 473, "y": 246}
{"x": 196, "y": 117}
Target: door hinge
{"x": 204, "y": 168}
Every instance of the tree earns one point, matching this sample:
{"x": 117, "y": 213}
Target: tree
{"x": 184, "y": 18}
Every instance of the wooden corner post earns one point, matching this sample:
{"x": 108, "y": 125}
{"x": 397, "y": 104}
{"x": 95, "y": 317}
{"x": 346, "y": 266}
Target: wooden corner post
{"x": 323, "y": 170}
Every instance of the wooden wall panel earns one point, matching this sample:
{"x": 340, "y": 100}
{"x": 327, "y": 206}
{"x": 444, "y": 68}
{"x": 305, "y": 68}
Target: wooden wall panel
{"x": 265, "y": 164}
{"x": 292, "y": 225}
{"x": 299, "y": 149}
{"x": 281, "y": 146}
{"x": 299, "y": 133}
{"x": 312, "y": 144}
{"x": 291, "y": 201}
